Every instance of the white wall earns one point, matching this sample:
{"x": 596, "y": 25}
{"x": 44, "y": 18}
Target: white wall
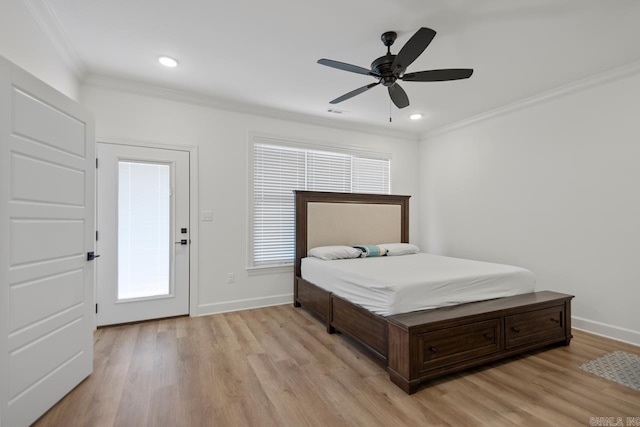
{"x": 222, "y": 138}
{"x": 552, "y": 186}
{"x": 24, "y": 42}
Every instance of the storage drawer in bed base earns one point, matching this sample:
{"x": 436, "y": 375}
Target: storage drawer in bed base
{"x": 432, "y": 343}
{"x": 423, "y": 345}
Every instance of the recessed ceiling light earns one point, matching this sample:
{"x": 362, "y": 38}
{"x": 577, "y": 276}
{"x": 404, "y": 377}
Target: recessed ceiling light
{"x": 416, "y": 116}
{"x": 168, "y": 62}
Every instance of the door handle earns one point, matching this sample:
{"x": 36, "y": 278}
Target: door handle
{"x": 181, "y": 242}
{"x": 91, "y": 256}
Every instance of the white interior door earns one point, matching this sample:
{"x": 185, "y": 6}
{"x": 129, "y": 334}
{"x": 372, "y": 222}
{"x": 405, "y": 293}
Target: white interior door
{"x": 143, "y": 233}
{"x": 47, "y": 183}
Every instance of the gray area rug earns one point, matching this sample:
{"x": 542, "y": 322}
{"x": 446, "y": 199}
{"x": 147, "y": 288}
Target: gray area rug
{"x": 619, "y": 366}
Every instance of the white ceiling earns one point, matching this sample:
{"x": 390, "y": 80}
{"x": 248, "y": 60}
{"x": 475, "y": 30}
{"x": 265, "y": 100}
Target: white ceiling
{"x": 264, "y": 53}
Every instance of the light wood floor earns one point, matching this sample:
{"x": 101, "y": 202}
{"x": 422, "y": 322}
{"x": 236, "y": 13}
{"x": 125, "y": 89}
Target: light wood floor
{"x": 278, "y": 367}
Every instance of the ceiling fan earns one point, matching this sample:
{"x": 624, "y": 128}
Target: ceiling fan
{"x": 388, "y": 69}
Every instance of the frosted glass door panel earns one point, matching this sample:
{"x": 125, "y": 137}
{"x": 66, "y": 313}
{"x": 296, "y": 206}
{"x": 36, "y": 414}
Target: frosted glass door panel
{"x": 144, "y": 230}
{"x": 144, "y": 233}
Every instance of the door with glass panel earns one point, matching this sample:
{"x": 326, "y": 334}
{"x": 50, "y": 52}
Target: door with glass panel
{"x": 143, "y": 233}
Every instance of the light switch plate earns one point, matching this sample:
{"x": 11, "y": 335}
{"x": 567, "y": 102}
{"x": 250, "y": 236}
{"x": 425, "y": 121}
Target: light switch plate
{"x": 206, "y": 216}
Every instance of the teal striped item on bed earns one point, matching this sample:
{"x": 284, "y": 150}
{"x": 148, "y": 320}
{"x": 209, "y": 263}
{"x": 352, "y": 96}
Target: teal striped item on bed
{"x": 371, "y": 250}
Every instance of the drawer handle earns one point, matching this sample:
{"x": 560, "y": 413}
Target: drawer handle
{"x": 433, "y": 349}
{"x": 488, "y": 336}
{"x": 555, "y": 320}
{"x": 516, "y": 330}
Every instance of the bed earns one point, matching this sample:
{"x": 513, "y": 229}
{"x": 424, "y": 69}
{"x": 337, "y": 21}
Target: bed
{"x": 416, "y": 340}
{"x": 388, "y": 285}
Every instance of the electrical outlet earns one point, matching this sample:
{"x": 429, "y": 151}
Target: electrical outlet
{"x": 231, "y": 277}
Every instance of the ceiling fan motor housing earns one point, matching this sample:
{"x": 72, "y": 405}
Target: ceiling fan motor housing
{"x": 382, "y": 66}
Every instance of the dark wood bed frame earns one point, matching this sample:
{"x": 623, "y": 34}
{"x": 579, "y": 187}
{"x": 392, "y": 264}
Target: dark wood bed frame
{"x": 422, "y": 345}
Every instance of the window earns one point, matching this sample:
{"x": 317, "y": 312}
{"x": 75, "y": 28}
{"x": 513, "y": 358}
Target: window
{"x": 278, "y": 169}
{"x": 144, "y": 227}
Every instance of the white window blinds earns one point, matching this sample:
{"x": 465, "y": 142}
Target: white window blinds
{"x": 328, "y": 171}
{"x": 278, "y": 170}
{"x": 370, "y": 175}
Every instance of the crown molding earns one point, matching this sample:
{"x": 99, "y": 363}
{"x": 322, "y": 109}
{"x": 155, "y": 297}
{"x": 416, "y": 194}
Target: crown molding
{"x": 595, "y": 80}
{"x": 47, "y": 19}
{"x": 131, "y": 86}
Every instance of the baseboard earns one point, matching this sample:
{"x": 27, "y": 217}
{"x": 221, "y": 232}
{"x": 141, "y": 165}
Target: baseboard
{"x": 243, "y": 304}
{"x": 608, "y": 331}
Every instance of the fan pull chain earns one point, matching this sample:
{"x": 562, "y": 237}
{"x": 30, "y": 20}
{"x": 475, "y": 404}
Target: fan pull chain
{"x": 389, "y": 110}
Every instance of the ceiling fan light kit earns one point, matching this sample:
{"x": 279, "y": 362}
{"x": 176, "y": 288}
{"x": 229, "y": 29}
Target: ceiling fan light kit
{"x": 388, "y": 69}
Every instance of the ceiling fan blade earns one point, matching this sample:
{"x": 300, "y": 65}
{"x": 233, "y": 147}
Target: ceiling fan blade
{"x": 398, "y": 96}
{"x": 412, "y": 49}
{"x": 354, "y": 93}
{"x": 438, "y": 75}
{"x": 347, "y": 67}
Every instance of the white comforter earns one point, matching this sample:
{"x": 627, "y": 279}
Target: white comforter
{"x": 400, "y": 284}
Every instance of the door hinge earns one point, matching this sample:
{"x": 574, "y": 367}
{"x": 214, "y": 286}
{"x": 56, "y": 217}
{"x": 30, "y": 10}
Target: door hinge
{"x": 96, "y": 163}
{"x": 96, "y": 235}
{"x": 96, "y": 308}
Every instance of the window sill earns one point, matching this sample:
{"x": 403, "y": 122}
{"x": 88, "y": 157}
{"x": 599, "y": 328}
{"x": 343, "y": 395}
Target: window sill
{"x": 270, "y": 269}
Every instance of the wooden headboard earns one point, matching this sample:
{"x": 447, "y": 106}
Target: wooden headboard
{"x": 324, "y": 219}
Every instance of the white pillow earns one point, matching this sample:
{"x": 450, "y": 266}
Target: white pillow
{"x": 334, "y": 252}
{"x": 395, "y": 249}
